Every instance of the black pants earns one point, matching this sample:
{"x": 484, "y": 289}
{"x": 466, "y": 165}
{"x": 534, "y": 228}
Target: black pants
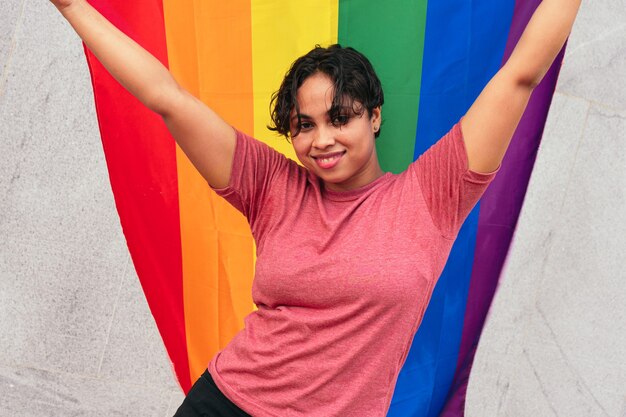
{"x": 206, "y": 400}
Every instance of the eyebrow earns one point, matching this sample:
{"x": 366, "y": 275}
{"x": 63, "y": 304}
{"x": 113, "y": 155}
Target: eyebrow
{"x": 300, "y": 116}
{"x": 306, "y": 116}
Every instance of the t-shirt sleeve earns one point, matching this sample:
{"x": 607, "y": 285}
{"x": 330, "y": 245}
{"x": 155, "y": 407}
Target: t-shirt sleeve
{"x": 449, "y": 187}
{"x": 255, "y": 165}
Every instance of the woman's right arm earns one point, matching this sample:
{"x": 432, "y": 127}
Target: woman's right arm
{"x": 207, "y": 140}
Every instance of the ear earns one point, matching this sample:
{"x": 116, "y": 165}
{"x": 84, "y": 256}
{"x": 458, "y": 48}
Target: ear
{"x": 376, "y": 118}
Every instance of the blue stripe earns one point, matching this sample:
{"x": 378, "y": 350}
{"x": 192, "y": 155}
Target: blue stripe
{"x": 464, "y": 47}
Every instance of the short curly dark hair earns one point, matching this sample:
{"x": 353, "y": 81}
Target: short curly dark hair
{"x": 355, "y": 83}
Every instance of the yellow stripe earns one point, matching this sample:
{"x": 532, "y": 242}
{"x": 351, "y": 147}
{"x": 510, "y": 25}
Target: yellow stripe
{"x": 283, "y": 30}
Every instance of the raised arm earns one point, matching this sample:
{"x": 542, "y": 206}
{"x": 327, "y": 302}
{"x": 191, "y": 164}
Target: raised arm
{"x": 491, "y": 121}
{"x": 206, "y": 139}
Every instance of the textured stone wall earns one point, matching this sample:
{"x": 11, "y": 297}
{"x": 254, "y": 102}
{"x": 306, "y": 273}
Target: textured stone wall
{"x": 555, "y": 344}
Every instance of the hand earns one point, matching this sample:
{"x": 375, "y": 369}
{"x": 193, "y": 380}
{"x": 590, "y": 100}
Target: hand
{"x": 62, "y": 4}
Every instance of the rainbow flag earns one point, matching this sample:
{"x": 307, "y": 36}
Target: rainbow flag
{"x": 194, "y": 254}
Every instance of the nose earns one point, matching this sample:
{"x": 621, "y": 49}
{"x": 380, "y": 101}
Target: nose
{"x": 324, "y": 138}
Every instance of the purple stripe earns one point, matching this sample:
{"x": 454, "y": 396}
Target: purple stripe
{"x": 499, "y": 210}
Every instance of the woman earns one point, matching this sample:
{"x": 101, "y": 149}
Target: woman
{"x": 339, "y": 305}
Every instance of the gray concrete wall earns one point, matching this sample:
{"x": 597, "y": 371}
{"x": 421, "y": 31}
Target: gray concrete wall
{"x": 555, "y": 343}
{"x": 76, "y": 336}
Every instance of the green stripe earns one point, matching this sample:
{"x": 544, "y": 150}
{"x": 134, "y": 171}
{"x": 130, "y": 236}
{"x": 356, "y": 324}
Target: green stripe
{"x": 386, "y": 33}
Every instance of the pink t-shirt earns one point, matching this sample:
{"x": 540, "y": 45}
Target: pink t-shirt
{"x": 342, "y": 278}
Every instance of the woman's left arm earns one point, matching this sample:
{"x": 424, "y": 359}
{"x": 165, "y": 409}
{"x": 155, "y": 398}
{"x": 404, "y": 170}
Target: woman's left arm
{"x": 491, "y": 121}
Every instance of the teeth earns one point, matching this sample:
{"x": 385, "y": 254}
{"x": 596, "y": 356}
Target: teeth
{"x": 329, "y": 159}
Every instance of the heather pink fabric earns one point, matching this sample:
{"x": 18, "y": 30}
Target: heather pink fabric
{"x": 342, "y": 278}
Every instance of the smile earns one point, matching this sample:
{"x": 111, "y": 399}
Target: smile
{"x": 328, "y": 161}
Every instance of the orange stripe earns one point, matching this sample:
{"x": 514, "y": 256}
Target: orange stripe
{"x": 209, "y": 50}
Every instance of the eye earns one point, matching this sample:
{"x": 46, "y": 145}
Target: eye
{"x": 304, "y": 125}
{"x": 341, "y": 120}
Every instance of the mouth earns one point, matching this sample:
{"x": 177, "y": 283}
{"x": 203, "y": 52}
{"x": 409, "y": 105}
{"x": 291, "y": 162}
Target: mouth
{"x": 329, "y": 160}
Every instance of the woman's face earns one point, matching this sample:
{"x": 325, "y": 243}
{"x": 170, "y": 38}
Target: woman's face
{"x": 341, "y": 152}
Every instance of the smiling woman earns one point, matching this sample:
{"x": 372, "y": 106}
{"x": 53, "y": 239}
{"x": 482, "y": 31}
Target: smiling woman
{"x": 329, "y": 104}
{"x": 339, "y": 149}
{"x": 347, "y": 255}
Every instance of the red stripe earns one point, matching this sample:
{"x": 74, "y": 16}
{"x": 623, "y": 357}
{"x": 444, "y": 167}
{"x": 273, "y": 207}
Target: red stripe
{"x": 145, "y": 188}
